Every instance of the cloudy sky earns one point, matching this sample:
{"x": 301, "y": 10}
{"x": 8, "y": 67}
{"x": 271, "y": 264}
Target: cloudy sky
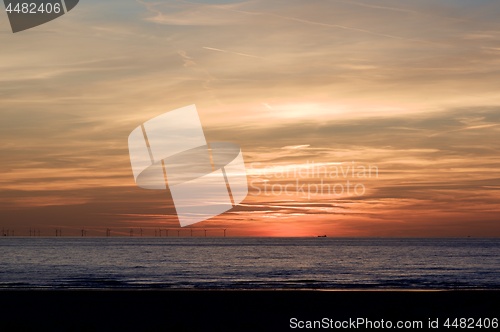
{"x": 355, "y": 118}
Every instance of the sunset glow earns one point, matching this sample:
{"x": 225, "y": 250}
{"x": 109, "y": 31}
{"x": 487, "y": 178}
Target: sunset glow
{"x": 354, "y": 118}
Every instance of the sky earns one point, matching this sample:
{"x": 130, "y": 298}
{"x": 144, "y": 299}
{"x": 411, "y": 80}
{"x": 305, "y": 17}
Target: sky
{"x": 355, "y": 118}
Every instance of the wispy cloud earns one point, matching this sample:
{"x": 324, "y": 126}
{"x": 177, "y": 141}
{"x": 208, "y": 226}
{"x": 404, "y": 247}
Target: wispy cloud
{"x": 231, "y": 52}
{"x": 310, "y": 22}
{"x": 293, "y": 82}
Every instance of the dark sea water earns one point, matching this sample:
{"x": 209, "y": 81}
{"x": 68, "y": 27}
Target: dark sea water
{"x": 248, "y": 263}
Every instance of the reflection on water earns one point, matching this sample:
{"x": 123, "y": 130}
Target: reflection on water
{"x": 249, "y": 263}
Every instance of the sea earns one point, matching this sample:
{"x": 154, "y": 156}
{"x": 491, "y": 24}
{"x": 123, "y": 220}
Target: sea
{"x": 231, "y": 263}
